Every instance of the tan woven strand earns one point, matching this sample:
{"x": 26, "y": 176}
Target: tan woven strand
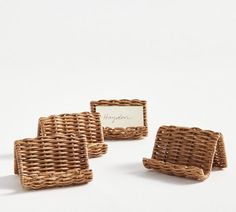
{"x": 187, "y": 152}
{"x": 52, "y": 161}
{"x": 84, "y": 123}
{"x": 123, "y": 133}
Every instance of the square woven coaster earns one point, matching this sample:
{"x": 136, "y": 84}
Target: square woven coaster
{"x": 187, "y": 152}
{"x": 76, "y": 123}
{"x": 52, "y": 161}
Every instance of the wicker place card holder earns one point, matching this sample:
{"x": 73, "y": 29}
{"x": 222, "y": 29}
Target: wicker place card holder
{"x": 187, "y": 152}
{"x": 84, "y": 123}
{"x": 52, "y": 161}
{"x": 120, "y": 111}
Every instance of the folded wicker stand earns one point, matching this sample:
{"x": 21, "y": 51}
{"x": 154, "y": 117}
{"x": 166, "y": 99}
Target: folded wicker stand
{"x": 123, "y": 133}
{"x": 84, "y": 123}
{"x": 52, "y": 161}
{"x": 187, "y": 152}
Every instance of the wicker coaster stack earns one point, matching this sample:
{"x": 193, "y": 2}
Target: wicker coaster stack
{"x": 84, "y": 123}
{"x": 52, "y": 161}
{"x": 119, "y": 133}
{"x": 187, "y": 152}
{"x": 58, "y": 156}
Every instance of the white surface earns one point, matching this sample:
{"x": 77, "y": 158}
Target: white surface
{"x": 56, "y": 56}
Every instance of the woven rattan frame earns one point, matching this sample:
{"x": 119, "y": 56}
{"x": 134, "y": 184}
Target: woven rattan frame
{"x": 84, "y": 123}
{"x": 52, "y": 161}
{"x": 123, "y": 133}
{"x": 187, "y": 152}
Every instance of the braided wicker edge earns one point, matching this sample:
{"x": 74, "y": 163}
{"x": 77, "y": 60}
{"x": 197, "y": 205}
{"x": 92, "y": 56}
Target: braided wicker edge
{"x": 68, "y": 178}
{"x": 191, "y": 172}
{"x": 94, "y": 149}
{"x": 123, "y": 133}
{"x": 219, "y": 160}
{"x": 52, "y": 179}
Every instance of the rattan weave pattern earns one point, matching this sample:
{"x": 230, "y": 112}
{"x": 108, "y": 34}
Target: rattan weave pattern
{"x": 84, "y": 123}
{"x": 52, "y": 161}
{"x": 187, "y": 152}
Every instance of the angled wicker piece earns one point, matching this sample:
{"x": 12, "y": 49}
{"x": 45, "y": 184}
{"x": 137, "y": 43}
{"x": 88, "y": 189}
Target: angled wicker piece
{"x": 187, "y": 152}
{"x": 52, "y": 161}
{"x": 84, "y": 123}
{"x": 128, "y": 132}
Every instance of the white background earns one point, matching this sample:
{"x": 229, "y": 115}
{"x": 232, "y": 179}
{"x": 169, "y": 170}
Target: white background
{"x": 180, "y": 56}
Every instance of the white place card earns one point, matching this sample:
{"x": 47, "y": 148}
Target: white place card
{"x": 121, "y": 116}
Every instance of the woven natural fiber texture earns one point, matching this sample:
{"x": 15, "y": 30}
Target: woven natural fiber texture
{"x": 52, "y": 161}
{"x": 123, "y": 133}
{"x": 84, "y": 123}
{"x": 187, "y": 152}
